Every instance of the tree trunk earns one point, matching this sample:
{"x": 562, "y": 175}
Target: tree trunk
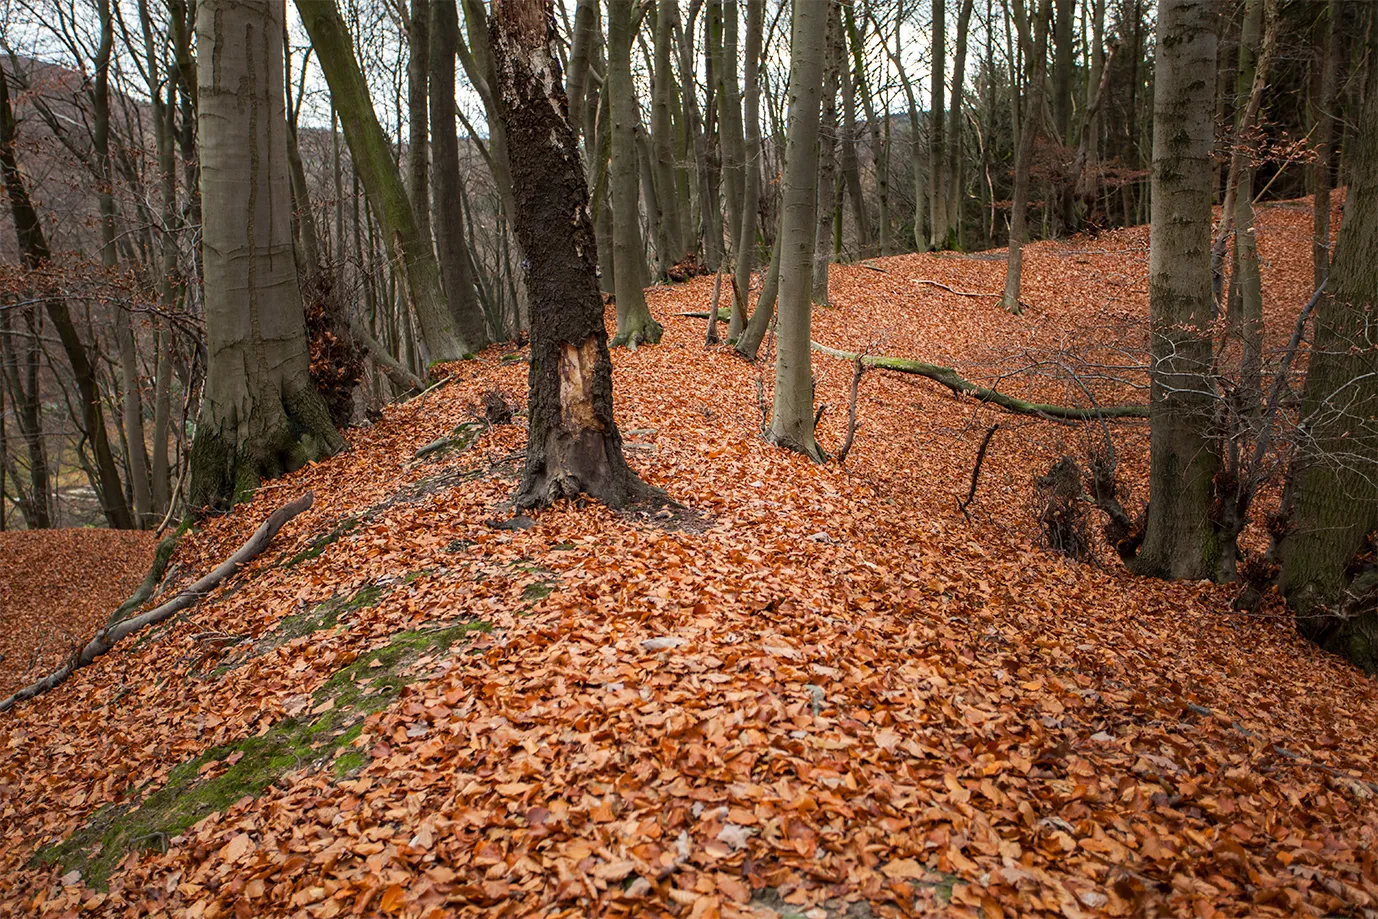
{"x": 1062, "y": 71}
{"x": 662, "y": 136}
{"x": 371, "y": 153}
{"x": 751, "y": 206}
{"x": 851, "y": 169}
{"x": 1180, "y": 538}
{"x": 826, "y": 178}
{"x": 1324, "y": 113}
{"x": 937, "y": 187}
{"x": 710, "y": 214}
{"x": 1033, "y": 113}
{"x": 791, "y": 422}
{"x": 730, "y": 131}
{"x": 260, "y": 415}
{"x": 573, "y": 445}
{"x": 418, "y": 117}
{"x": 451, "y": 242}
{"x": 954, "y": 130}
{"x": 634, "y": 323}
{"x": 1334, "y": 498}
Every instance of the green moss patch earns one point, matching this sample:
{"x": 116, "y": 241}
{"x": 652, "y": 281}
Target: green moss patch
{"x": 320, "y": 543}
{"x": 322, "y": 733}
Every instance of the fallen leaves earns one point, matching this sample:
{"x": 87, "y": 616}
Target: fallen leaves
{"x": 731, "y": 719}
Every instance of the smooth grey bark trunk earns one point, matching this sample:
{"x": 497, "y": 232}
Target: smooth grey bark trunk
{"x": 880, "y": 132}
{"x": 710, "y": 215}
{"x": 731, "y": 135}
{"x": 634, "y": 323}
{"x": 850, "y": 167}
{"x": 1334, "y": 493}
{"x": 937, "y": 179}
{"x": 452, "y": 246}
{"x": 826, "y": 178}
{"x": 1323, "y": 139}
{"x": 418, "y": 116}
{"x": 791, "y": 421}
{"x": 751, "y": 189}
{"x": 1019, "y": 204}
{"x": 260, "y": 415}
{"x": 955, "y": 183}
{"x": 1180, "y": 539}
{"x": 662, "y": 136}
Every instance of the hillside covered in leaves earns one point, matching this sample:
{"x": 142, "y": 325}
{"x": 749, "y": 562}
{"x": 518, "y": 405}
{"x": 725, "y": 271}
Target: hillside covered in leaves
{"x": 802, "y": 690}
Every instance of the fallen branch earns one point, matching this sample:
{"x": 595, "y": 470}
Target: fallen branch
{"x": 952, "y": 290}
{"x": 112, "y": 634}
{"x": 962, "y": 386}
{"x": 976, "y": 472}
{"x": 151, "y": 580}
{"x": 858, "y": 368}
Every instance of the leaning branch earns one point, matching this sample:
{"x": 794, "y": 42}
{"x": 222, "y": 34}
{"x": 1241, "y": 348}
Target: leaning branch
{"x": 113, "y": 633}
{"x": 948, "y": 377}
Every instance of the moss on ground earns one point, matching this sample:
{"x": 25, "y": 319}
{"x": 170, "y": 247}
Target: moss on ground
{"x": 223, "y": 775}
{"x": 319, "y": 544}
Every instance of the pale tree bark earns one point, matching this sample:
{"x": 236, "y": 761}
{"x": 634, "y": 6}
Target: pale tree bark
{"x": 1180, "y": 539}
{"x": 751, "y": 189}
{"x": 1323, "y": 109}
{"x": 955, "y": 184}
{"x": 260, "y": 415}
{"x": 880, "y": 133}
{"x": 634, "y": 323}
{"x": 370, "y": 150}
{"x": 573, "y": 444}
{"x": 1334, "y": 493}
{"x": 451, "y": 241}
{"x": 710, "y": 215}
{"x": 418, "y": 29}
{"x": 826, "y": 179}
{"x": 730, "y": 131}
{"x": 849, "y": 166}
{"x": 791, "y": 422}
{"x": 662, "y": 135}
{"x": 1019, "y": 204}
{"x": 937, "y": 180}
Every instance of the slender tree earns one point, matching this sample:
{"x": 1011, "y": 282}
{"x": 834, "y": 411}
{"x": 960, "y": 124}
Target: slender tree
{"x": 1023, "y": 164}
{"x": 371, "y": 153}
{"x": 634, "y": 322}
{"x": 260, "y": 415}
{"x": 791, "y": 422}
{"x": 573, "y": 444}
{"x": 1179, "y": 536}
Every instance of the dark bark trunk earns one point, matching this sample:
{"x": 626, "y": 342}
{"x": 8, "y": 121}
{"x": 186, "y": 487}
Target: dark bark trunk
{"x": 573, "y": 444}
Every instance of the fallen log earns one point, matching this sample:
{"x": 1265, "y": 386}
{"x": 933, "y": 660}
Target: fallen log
{"x": 948, "y": 377}
{"x": 112, "y": 634}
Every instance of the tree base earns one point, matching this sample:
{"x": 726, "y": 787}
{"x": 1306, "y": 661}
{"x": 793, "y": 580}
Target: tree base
{"x": 588, "y": 463}
{"x": 635, "y": 331}
{"x": 807, "y": 446}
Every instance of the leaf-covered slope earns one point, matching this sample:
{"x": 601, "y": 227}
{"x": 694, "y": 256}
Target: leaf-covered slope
{"x": 813, "y": 685}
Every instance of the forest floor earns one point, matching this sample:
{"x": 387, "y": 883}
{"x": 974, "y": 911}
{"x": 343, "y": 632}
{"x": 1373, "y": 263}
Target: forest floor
{"x": 814, "y": 691}
{"x": 56, "y": 588}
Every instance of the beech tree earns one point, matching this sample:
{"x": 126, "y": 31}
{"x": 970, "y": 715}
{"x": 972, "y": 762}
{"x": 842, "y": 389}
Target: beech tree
{"x": 1179, "y": 537}
{"x": 1334, "y": 493}
{"x": 791, "y": 422}
{"x": 260, "y": 415}
{"x": 634, "y": 322}
{"x": 573, "y": 445}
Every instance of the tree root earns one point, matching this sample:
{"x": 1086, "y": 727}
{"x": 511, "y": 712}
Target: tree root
{"x": 108, "y": 637}
{"x": 964, "y": 387}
